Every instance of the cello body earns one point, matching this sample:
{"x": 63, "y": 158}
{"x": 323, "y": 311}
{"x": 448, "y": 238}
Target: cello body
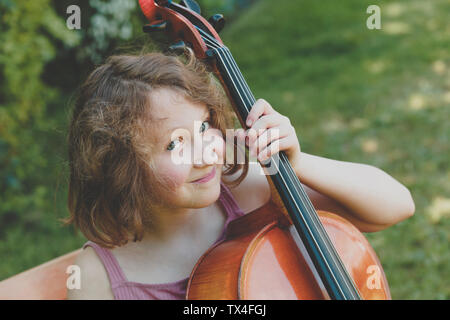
{"x": 260, "y": 259}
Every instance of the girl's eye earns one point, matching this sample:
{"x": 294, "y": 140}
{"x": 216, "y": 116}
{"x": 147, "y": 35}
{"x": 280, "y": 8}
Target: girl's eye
{"x": 204, "y": 126}
{"x": 173, "y": 143}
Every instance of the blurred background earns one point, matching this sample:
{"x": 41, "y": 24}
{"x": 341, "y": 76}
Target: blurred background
{"x": 380, "y": 97}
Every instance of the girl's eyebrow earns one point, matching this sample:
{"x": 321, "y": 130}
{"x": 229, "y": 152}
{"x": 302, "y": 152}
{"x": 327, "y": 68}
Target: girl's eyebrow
{"x": 205, "y": 115}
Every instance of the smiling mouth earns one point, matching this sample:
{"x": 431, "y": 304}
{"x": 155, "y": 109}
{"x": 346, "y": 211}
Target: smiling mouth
{"x": 207, "y": 177}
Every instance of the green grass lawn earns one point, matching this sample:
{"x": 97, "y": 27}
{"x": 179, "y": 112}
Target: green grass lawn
{"x": 380, "y": 97}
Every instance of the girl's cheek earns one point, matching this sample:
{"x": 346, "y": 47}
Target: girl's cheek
{"x": 171, "y": 173}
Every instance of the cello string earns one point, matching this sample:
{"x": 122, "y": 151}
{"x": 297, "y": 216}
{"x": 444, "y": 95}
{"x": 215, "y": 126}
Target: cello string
{"x": 308, "y": 203}
{"x": 246, "y": 90}
{"x": 249, "y": 99}
{"x": 246, "y": 93}
{"x": 306, "y": 224}
{"x": 289, "y": 170}
{"x": 319, "y": 223}
{"x": 305, "y": 199}
{"x": 217, "y": 47}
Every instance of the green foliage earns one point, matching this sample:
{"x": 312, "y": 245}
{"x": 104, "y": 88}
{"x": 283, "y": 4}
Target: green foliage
{"x": 109, "y": 23}
{"x": 42, "y": 62}
{"x": 29, "y": 30}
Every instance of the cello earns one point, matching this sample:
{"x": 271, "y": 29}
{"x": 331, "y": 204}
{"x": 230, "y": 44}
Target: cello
{"x": 285, "y": 249}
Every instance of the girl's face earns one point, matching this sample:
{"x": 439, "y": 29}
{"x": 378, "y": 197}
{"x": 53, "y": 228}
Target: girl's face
{"x": 187, "y": 149}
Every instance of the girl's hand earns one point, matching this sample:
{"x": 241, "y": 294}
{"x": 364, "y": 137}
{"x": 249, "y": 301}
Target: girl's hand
{"x": 267, "y": 126}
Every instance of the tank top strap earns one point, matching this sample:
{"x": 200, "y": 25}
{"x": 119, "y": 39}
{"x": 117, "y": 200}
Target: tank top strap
{"x": 110, "y": 263}
{"x": 228, "y": 201}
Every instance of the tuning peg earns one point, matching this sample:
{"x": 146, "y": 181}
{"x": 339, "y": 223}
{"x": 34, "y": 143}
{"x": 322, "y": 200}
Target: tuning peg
{"x": 159, "y": 25}
{"x": 191, "y": 4}
{"x": 217, "y": 21}
{"x": 178, "y": 47}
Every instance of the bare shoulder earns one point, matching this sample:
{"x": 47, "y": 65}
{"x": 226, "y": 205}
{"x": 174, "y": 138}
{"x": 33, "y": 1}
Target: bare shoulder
{"x": 94, "y": 278}
{"x": 254, "y": 191}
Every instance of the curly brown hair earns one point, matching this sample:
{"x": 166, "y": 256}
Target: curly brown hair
{"x": 112, "y": 181}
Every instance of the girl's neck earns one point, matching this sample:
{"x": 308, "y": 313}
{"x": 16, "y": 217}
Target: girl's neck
{"x": 185, "y": 223}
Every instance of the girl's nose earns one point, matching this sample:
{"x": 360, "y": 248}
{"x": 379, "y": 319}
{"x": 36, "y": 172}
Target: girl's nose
{"x": 209, "y": 149}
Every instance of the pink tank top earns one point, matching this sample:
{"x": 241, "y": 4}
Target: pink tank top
{"x": 128, "y": 290}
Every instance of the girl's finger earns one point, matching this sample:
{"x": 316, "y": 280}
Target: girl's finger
{"x": 275, "y": 147}
{"x": 261, "y": 107}
{"x": 266, "y": 122}
{"x": 263, "y": 123}
{"x": 269, "y": 136}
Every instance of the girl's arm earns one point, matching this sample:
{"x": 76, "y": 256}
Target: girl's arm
{"x": 365, "y": 195}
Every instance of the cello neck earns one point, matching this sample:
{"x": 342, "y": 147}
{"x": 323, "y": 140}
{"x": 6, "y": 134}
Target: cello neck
{"x": 337, "y": 281}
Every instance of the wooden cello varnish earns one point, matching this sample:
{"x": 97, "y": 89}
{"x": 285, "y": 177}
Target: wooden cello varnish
{"x": 259, "y": 259}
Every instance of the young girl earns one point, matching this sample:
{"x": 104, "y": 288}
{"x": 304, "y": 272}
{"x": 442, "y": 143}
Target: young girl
{"x": 149, "y": 218}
